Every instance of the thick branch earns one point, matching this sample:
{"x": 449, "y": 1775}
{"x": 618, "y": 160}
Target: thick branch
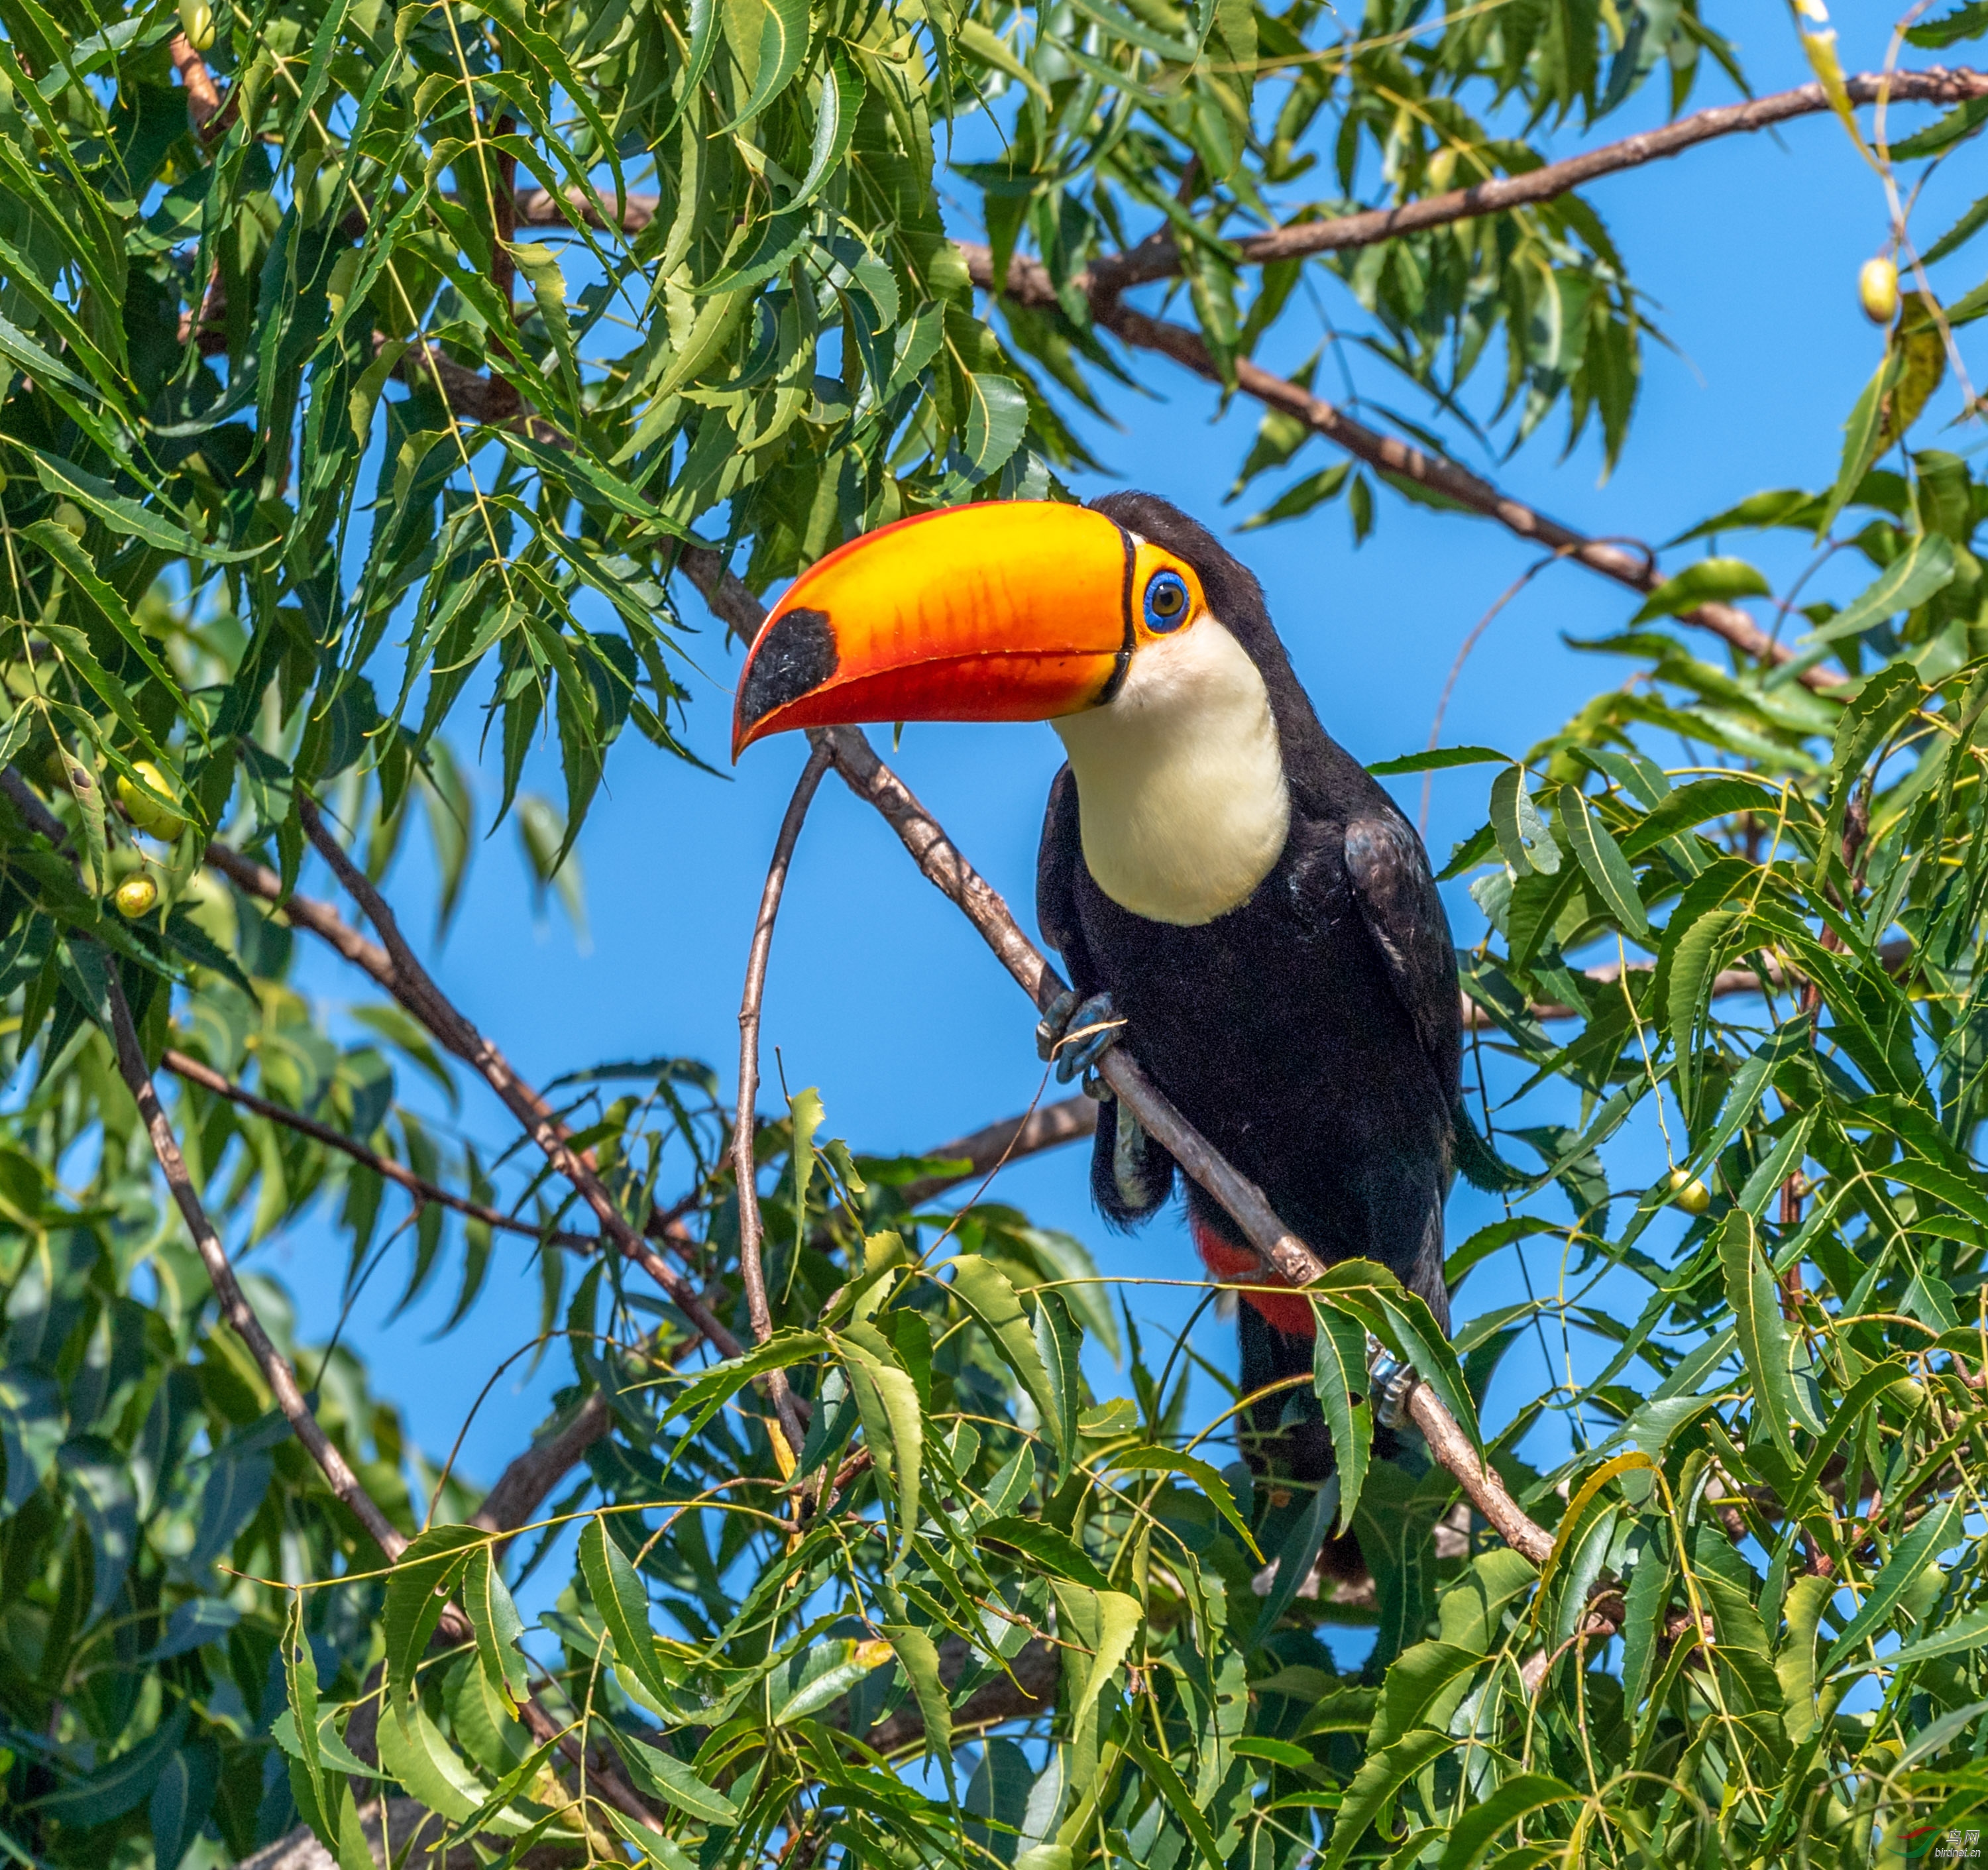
{"x": 204, "y": 103}
{"x": 194, "y": 1072}
{"x": 1027, "y": 1689}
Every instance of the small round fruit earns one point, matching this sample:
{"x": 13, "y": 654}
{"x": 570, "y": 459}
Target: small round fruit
{"x": 135, "y": 897}
{"x": 146, "y": 813}
{"x": 71, "y": 518}
{"x": 197, "y": 23}
{"x": 1878, "y": 291}
{"x": 1688, "y": 1193}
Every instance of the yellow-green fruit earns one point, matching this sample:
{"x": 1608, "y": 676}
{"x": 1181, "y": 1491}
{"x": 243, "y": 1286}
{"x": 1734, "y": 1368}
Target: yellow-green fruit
{"x": 1688, "y": 1193}
{"x": 135, "y": 896}
{"x": 71, "y": 518}
{"x": 197, "y": 23}
{"x": 144, "y": 811}
{"x": 1878, "y": 291}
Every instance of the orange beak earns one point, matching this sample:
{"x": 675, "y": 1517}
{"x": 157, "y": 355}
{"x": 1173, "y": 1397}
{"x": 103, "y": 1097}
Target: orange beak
{"x": 1017, "y": 611}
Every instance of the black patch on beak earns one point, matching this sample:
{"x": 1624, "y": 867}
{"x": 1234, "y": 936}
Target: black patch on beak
{"x": 796, "y": 655}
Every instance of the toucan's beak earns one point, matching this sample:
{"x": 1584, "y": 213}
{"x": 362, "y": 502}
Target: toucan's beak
{"x": 1009, "y": 610}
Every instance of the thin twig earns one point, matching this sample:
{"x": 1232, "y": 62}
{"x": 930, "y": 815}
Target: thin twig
{"x": 194, "y": 1072}
{"x": 745, "y": 1162}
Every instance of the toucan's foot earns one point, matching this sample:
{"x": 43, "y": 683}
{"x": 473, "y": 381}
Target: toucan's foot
{"x": 1075, "y": 1036}
{"x": 1392, "y": 1380}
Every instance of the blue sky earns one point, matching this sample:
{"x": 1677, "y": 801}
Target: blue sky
{"x": 882, "y": 995}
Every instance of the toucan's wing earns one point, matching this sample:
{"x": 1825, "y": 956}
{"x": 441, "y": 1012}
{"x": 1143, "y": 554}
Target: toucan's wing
{"x": 1399, "y": 903}
{"x": 1057, "y": 860}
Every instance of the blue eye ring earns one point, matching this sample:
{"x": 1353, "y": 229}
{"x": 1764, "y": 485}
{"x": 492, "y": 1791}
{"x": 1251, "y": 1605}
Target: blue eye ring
{"x": 1168, "y": 603}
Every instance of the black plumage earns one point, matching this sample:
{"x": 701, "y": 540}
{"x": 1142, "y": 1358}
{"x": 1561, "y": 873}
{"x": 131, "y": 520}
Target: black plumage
{"x": 1311, "y": 1034}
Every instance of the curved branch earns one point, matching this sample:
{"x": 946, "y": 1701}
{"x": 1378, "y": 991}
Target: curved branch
{"x": 744, "y": 1132}
{"x": 1388, "y": 455}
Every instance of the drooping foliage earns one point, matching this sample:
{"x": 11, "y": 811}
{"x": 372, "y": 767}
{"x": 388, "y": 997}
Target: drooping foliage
{"x": 366, "y": 373}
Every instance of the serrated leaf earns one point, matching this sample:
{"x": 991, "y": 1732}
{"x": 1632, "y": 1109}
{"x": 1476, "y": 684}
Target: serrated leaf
{"x": 499, "y": 1629}
{"x": 1764, "y": 1341}
{"x": 1715, "y": 580}
{"x": 1339, "y": 1377}
{"x": 918, "y": 1655}
{"x": 997, "y": 416}
{"x": 668, "y": 1779}
{"x": 1601, "y": 857}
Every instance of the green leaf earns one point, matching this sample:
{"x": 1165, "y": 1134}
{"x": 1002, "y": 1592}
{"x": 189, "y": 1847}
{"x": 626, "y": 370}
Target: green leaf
{"x": 1601, "y": 857}
{"x": 1764, "y": 1341}
{"x": 1692, "y": 805}
{"x": 417, "y": 1590}
{"x": 918, "y": 1655}
{"x": 1119, "y": 1618}
{"x": 1487, "y": 1819}
{"x": 703, "y": 1399}
{"x": 842, "y": 92}
{"x": 56, "y": 541}
{"x": 983, "y": 1288}
{"x": 997, "y": 415}
{"x": 1339, "y": 1377}
{"x": 499, "y": 1629}
{"x": 1944, "y": 1524}
{"x": 1903, "y": 585}
{"x": 1299, "y": 498}
{"x": 662, "y": 1776}
{"x": 1717, "y": 580}
{"x": 1523, "y": 840}
{"x": 1042, "y": 1545}
{"x": 413, "y": 1751}
{"x": 783, "y": 50}
{"x": 1166, "y": 1461}
{"x": 1179, "y": 1801}
{"x": 893, "y": 1422}
{"x": 1435, "y": 759}
{"x": 1944, "y": 132}
{"x": 1380, "y": 1776}
{"x": 181, "y": 1800}
{"x": 617, "y": 1593}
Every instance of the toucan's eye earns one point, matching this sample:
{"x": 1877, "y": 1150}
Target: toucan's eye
{"x": 1167, "y": 602}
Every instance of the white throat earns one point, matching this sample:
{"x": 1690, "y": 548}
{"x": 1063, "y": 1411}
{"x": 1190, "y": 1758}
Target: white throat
{"x": 1180, "y": 784}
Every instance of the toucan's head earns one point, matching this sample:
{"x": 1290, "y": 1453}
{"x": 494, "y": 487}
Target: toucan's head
{"x": 1011, "y": 611}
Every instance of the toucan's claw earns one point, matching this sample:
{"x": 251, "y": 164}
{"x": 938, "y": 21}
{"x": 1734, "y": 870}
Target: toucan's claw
{"x": 1077, "y": 1036}
{"x": 1391, "y": 1380}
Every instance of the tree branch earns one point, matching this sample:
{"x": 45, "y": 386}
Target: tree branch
{"x": 745, "y": 1128}
{"x": 403, "y": 977}
{"x": 1048, "y": 1127}
{"x": 204, "y": 103}
{"x": 1388, "y": 455}
{"x": 195, "y": 1072}
{"x": 235, "y": 1305}
{"x": 1158, "y": 257}
{"x": 417, "y": 992}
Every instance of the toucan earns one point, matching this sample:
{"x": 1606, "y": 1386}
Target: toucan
{"x": 1232, "y": 895}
